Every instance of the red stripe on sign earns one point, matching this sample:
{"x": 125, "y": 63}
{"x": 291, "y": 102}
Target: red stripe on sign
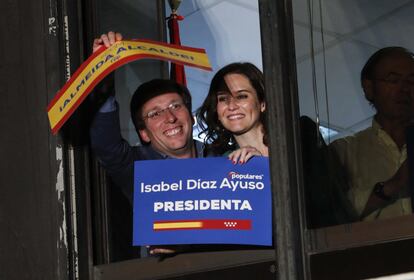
{"x": 223, "y": 224}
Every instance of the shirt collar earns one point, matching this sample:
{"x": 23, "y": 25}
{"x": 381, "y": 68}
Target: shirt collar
{"x": 197, "y": 144}
{"x": 384, "y": 136}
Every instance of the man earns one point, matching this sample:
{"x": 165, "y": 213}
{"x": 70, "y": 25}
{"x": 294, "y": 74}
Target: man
{"x": 376, "y": 158}
{"x": 161, "y": 113}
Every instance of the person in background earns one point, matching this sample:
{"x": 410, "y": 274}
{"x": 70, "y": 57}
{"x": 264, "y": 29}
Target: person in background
{"x": 233, "y": 114}
{"x": 375, "y": 159}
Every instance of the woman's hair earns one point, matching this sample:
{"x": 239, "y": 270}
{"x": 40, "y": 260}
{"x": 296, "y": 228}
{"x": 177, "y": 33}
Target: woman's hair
{"x": 218, "y": 139}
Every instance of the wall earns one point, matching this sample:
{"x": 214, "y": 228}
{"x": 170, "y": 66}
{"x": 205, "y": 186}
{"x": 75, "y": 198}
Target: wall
{"x": 33, "y": 235}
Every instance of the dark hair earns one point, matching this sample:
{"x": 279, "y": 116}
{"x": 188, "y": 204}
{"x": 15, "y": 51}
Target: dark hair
{"x": 218, "y": 139}
{"x": 368, "y": 71}
{"x": 151, "y": 89}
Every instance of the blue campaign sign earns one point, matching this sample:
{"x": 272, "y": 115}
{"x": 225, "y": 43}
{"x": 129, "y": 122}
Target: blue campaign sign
{"x": 202, "y": 201}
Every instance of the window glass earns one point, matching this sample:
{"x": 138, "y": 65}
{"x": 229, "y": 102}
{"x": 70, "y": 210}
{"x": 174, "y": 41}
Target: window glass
{"x": 334, "y": 40}
{"x": 135, "y": 20}
{"x": 205, "y": 25}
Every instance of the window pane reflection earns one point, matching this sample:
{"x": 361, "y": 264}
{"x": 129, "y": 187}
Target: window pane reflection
{"x": 353, "y": 179}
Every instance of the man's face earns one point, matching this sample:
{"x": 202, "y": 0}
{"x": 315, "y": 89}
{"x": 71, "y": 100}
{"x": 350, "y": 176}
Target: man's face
{"x": 392, "y": 89}
{"x": 168, "y": 125}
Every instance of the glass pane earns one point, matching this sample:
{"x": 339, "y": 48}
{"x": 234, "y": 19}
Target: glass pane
{"x": 349, "y": 180}
{"x": 206, "y": 25}
{"x": 135, "y": 20}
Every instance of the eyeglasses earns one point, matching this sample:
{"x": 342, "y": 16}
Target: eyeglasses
{"x": 156, "y": 114}
{"x": 395, "y": 81}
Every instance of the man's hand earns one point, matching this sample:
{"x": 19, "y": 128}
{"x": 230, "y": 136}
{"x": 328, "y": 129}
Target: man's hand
{"x": 107, "y": 40}
{"x": 106, "y": 87}
{"x": 160, "y": 251}
{"x": 168, "y": 250}
{"x": 399, "y": 182}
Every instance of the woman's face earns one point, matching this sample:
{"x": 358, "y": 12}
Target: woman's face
{"x": 239, "y": 109}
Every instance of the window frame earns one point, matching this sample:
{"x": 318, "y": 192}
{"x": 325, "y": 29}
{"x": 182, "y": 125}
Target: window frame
{"x": 291, "y": 258}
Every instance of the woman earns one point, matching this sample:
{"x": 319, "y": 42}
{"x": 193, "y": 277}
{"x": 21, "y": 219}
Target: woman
{"x": 233, "y": 114}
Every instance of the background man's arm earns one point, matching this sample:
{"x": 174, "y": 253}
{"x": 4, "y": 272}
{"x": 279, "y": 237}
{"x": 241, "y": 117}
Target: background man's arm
{"x": 396, "y": 186}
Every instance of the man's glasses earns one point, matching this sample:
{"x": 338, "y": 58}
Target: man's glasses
{"x": 156, "y": 114}
{"x": 397, "y": 80}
